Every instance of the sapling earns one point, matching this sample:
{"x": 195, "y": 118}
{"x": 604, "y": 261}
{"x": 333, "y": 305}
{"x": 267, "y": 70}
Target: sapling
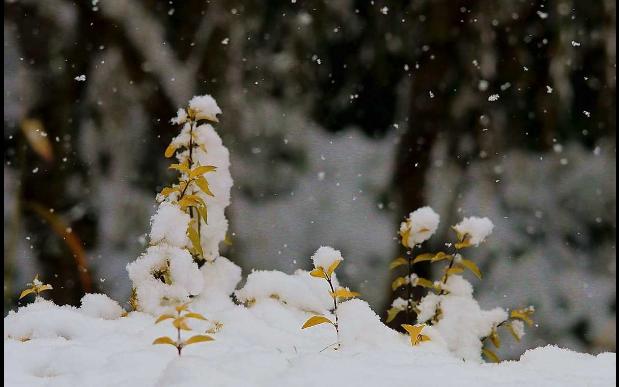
{"x": 448, "y": 306}
{"x": 420, "y": 225}
{"x": 36, "y": 288}
{"x": 179, "y": 321}
{"x": 326, "y": 260}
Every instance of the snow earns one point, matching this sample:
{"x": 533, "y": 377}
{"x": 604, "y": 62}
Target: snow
{"x": 257, "y": 327}
{"x": 261, "y": 346}
{"x": 420, "y": 225}
{"x": 101, "y": 306}
{"x": 476, "y": 229}
{"x": 325, "y": 256}
{"x": 170, "y": 224}
{"x": 493, "y": 97}
{"x": 204, "y": 107}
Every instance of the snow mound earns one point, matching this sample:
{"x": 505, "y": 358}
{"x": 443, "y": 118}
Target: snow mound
{"x": 65, "y": 347}
{"x": 420, "y": 225}
{"x": 101, "y": 306}
{"x": 477, "y": 229}
{"x": 325, "y": 256}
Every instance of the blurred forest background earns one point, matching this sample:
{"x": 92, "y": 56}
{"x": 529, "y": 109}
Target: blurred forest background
{"x": 341, "y": 116}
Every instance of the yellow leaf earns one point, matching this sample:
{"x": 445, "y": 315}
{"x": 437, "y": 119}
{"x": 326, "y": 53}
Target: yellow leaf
{"x": 424, "y": 283}
{"x": 204, "y": 186}
{"x": 495, "y": 339}
{"x": 454, "y": 270}
{"x": 182, "y": 307}
{"x": 318, "y": 273}
{"x": 513, "y": 332}
{"x": 37, "y": 139}
{"x": 414, "y": 331}
{"x": 332, "y": 268}
{"x": 26, "y": 292}
{"x": 179, "y": 323}
{"x": 397, "y": 262}
{"x": 168, "y": 190}
{"x": 463, "y": 244}
{"x": 198, "y": 339}
{"x": 392, "y": 314}
{"x": 197, "y": 316}
{"x": 344, "y": 293}
{"x": 201, "y": 170}
{"x": 180, "y": 167}
{"x": 187, "y": 202}
{"x": 164, "y": 340}
{"x": 43, "y": 288}
{"x": 467, "y": 263}
{"x": 404, "y": 235}
{"x": 316, "y": 320}
{"x": 400, "y": 281}
{"x": 490, "y": 355}
{"x": 423, "y": 257}
{"x": 440, "y": 256}
{"x": 521, "y": 315}
{"x": 196, "y": 199}
{"x": 203, "y": 212}
{"x": 169, "y": 151}
{"x": 164, "y": 317}
{"x": 423, "y": 338}
{"x": 195, "y": 240}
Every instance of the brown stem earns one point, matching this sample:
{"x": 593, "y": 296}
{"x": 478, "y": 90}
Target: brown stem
{"x": 336, "y": 325}
{"x": 409, "y": 305}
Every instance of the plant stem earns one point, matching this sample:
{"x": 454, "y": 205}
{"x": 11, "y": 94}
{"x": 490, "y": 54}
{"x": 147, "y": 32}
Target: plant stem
{"x": 336, "y": 324}
{"x": 409, "y": 304}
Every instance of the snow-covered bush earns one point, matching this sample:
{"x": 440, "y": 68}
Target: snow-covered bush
{"x": 449, "y": 306}
{"x": 190, "y": 222}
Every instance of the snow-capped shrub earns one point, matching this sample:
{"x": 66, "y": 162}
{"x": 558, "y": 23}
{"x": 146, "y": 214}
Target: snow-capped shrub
{"x": 449, "y": 307}
{"x": 190, "y": 223}
{"x": 326, "y": 260}
{"x": 420, "y": 225}
{"x": 100, "y": 306}
{"x": 473, "y": 230}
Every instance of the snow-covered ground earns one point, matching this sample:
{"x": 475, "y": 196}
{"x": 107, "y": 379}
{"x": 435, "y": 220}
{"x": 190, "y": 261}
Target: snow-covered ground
{"x": 260, "y": 345}
{"x": 259, "y": 340}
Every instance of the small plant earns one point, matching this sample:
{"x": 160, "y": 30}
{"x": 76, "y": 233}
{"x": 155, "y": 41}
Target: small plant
{"x": 36, "y": 287}
{"x": 416, "y": 229}
{"x": 179, "y": 321}
{"x": 515, "y": 325}
{"x": 326, "y": 260}
{"x": 451, "y": 294}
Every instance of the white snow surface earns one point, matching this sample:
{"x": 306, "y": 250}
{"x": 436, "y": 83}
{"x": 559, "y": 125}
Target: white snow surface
{"x": 205, "y": 107}
{"x": 261, "y": 345}
{"x": 421, "y": 224}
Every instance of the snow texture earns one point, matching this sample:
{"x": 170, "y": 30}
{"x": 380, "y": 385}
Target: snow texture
{"x": 169, "y": 225}
{"x": 420, "y": 225}
{"x": 50, "y": 345}
{"x": 475, "y": 229}
{"x": 325, "y": 256}
{"x": 101, "y": 306}
{"x": 204, "y": 107}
